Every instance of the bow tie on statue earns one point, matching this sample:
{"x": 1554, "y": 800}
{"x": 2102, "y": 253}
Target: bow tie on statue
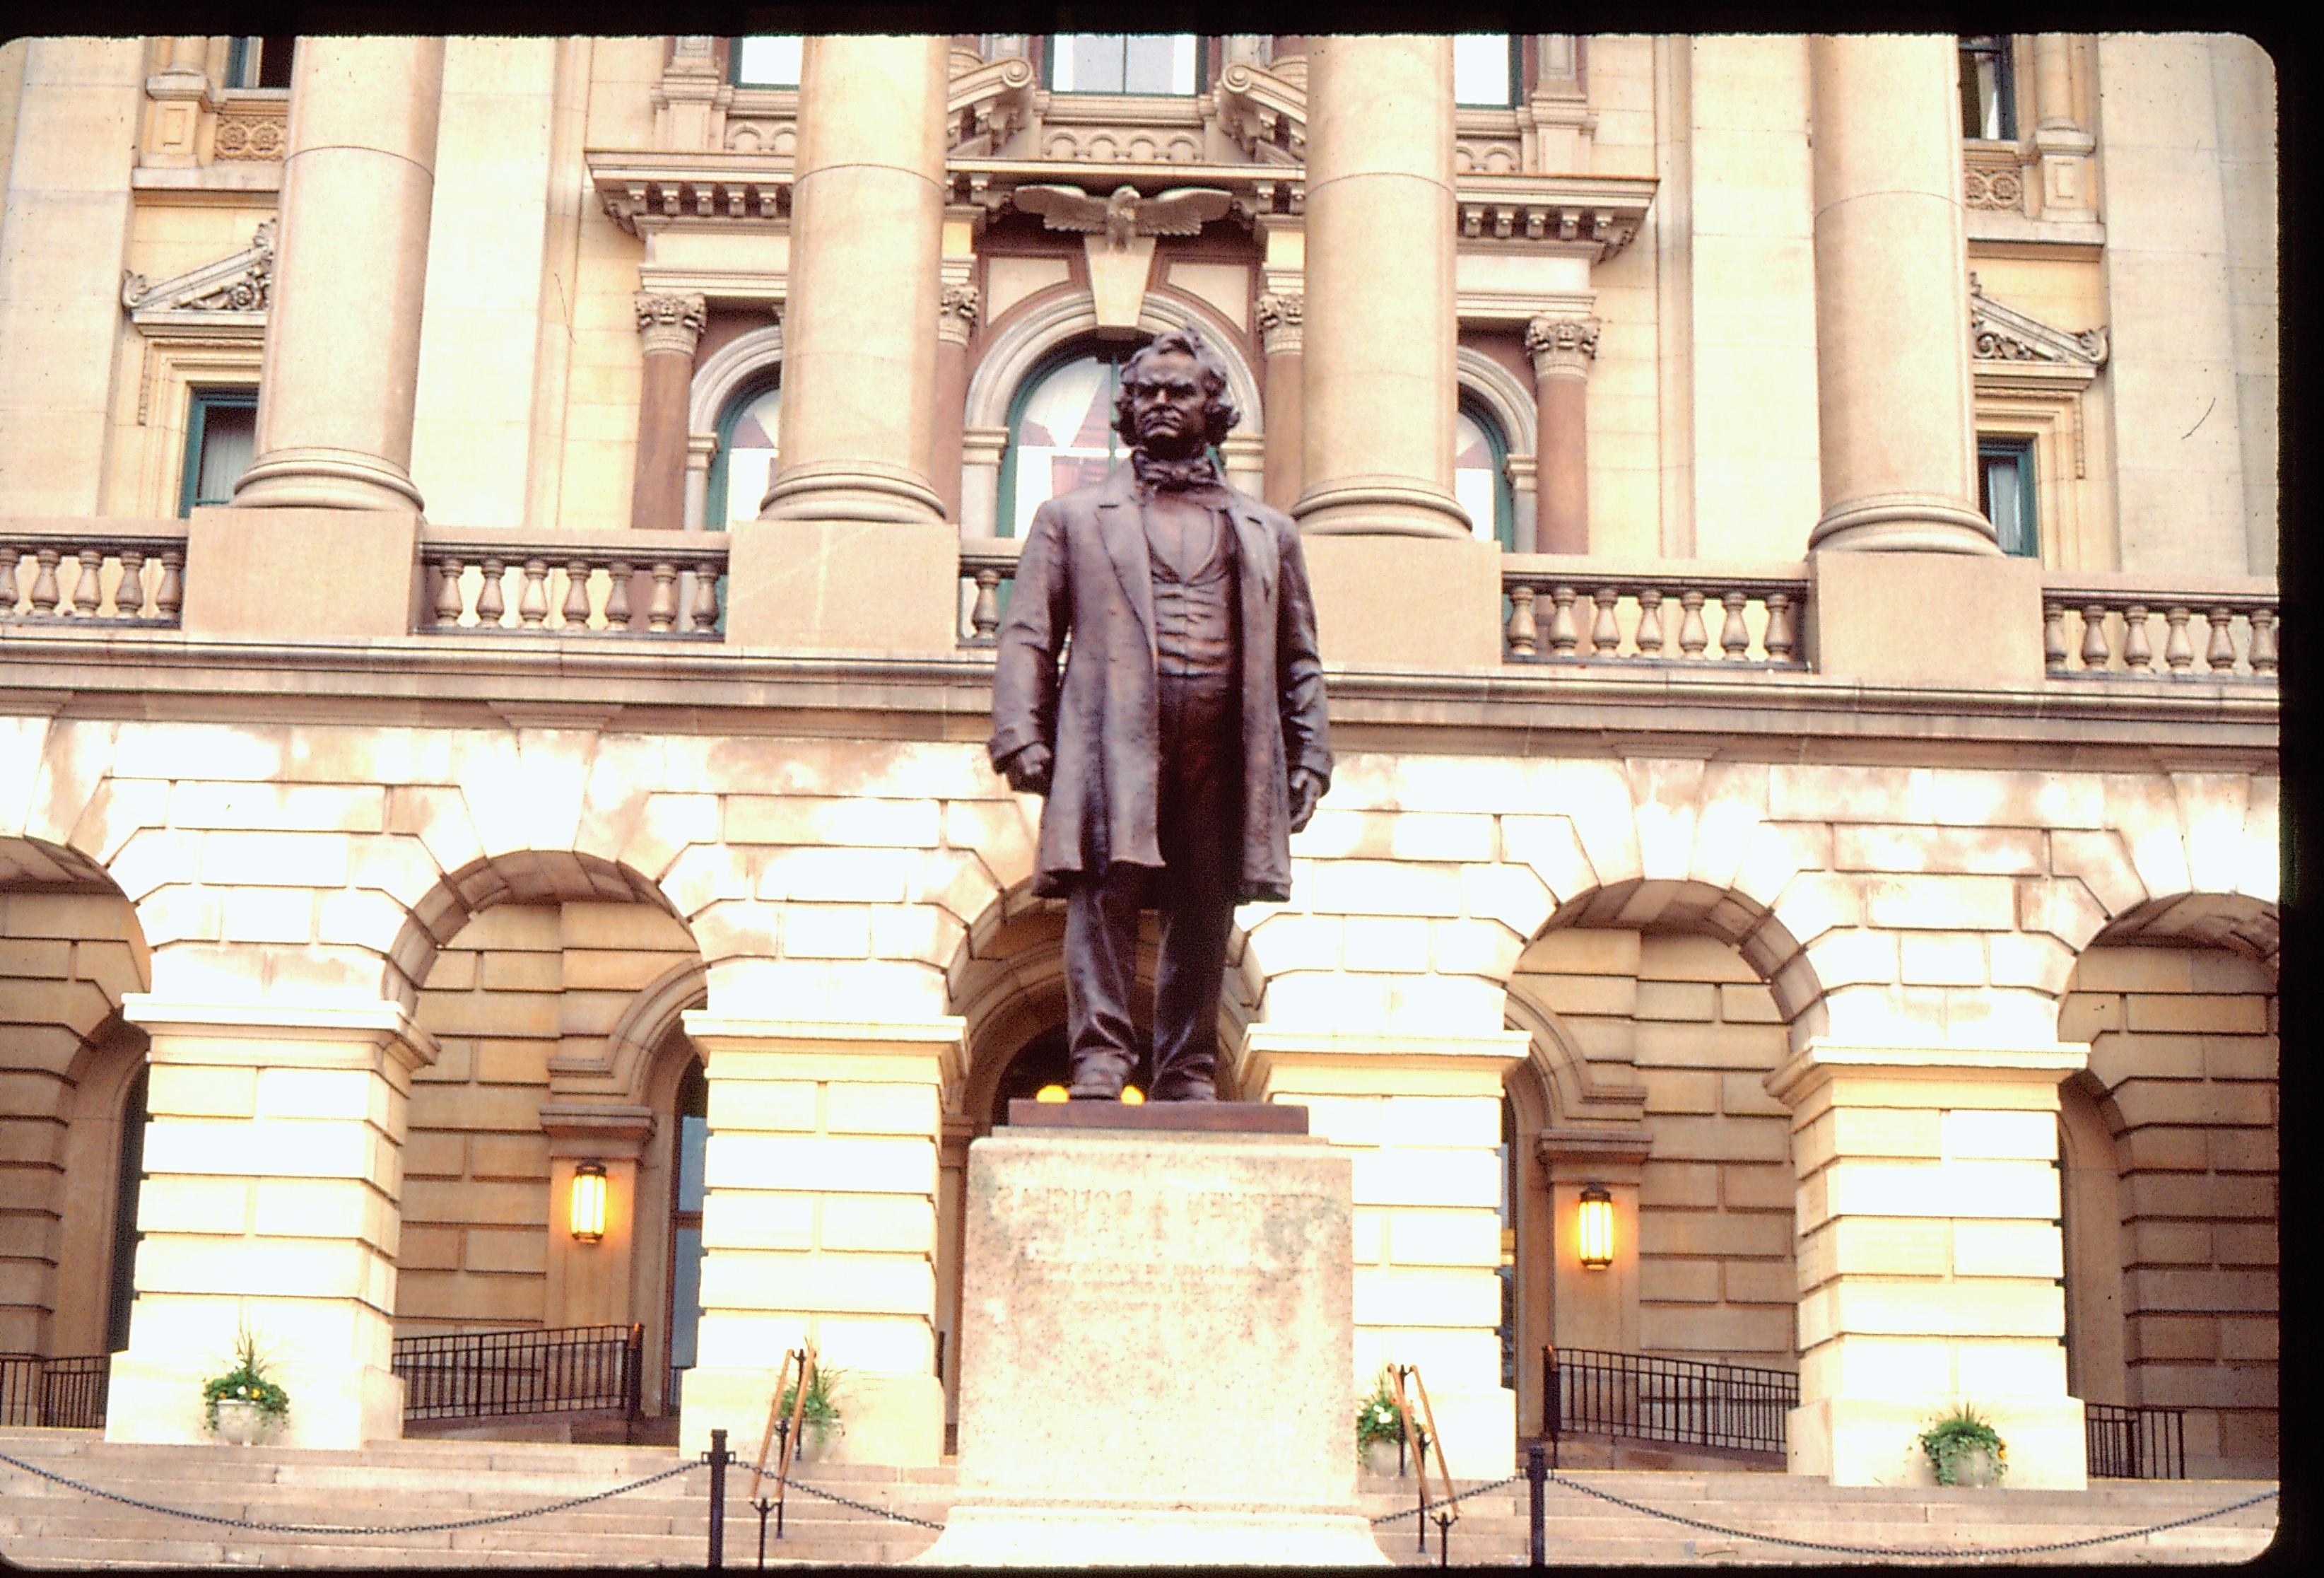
{"x": 1170, "y": 477}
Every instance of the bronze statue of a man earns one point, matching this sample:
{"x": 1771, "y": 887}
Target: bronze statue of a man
{"x": 1184, "y": 743}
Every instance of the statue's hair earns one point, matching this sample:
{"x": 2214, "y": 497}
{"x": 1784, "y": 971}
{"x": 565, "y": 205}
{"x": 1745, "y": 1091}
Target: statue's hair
{"x": 1189, "y": 342}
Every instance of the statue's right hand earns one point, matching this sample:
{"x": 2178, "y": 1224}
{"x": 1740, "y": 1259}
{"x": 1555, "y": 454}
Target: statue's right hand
{"x": 1028, "y": 771}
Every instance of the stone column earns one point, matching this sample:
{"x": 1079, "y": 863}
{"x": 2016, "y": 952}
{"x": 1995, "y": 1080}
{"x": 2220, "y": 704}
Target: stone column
{"x": 956, "y": 321}
{"x": 860, "y": 336}
{"x": 1380, "y": 333}
{"x": 2060, "y": 143}
{"x": 1524, "y": 502}
{"x": 1422, "y": 1116}
{"x": 670, "y": 326}
{"x": 819, "y": 1221}
{"x": 1929, "y": 1254}
{"x": 175, "y": 95}
{"x": 1563, "y": 349}
{"x": 1280, "y": 338}
{"x": 271, "y": 1200}
{"x": 342, "y": 365}
{"x": 1892, "y": 298}
{"x": 701, "y": 449}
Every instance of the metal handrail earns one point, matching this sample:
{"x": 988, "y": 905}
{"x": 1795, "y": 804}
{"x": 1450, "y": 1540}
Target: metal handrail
{"x": 1689, "y": 1402}
{"x": 2134, "y": 1442}
{"x": 476, "y": 1375}
{"x": 64, "y": 1393}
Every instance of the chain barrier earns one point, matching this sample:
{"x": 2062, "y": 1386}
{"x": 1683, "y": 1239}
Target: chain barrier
{"x": 1953, "y": 1554}
{"x": 1387, "y": 1518}
{"x": 859, "y": 1506}
{"x": 350, "y": 1528}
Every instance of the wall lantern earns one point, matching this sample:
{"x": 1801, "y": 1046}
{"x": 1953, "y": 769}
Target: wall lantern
{"x": 589, "y": 1202}
{"x": 1597, "y": 1234}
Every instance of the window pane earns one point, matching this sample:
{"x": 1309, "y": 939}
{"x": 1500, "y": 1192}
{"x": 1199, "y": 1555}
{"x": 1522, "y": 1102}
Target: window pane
{"x": 1476, "y": 476}
{"x": 1158, "y": 63}
{"x": 1113, "y": 62}
{"x": 749, "y": 455}
{"x": 2005, "y": 492}
{"x": 1986, "y": 110}
{"x": 229, "y": 438}
{"x": 1065, "y": 437}
{"x": 767, "y": 62}
{"x": 684, "y": 1296}
{"x": 274, "y": 62}
{"x": 1481, "y": 68}
{"x": 693, "y": 1140}
{"x": 1090, "y": 63}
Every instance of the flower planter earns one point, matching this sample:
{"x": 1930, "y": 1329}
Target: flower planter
{"x": 1381, "y": 1458}
{"x": 242, "y": 1423}
{"x": 1977, "y": 1467}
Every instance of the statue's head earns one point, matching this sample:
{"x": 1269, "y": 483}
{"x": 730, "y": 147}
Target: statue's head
{"x": 1210, "y": 366}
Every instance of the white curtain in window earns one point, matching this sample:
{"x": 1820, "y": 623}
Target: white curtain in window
{"x": 1481, "y": 68}
{"x": 1113, "y": 62}
{"x": 768, "y": 60}
{"x": 750, "y": 455}
{"x": 1476, "y": 479}
{"x": 229, "y": 443}
{"x": 1065, "y": 440}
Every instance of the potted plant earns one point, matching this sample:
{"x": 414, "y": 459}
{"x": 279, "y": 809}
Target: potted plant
{"x": 1380, "y": 1430}
{"x": 1964, "y": 1449}
{"x": 246, "y": 1404}
{"x": 819, "y": 1423}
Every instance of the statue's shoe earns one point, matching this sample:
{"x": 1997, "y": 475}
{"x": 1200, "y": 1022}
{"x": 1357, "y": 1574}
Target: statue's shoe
{"x": 1187, "y": 1090}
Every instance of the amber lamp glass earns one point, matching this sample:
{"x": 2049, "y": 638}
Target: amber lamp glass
{"x": 1596, "y": 1228}
{"x": 589, "y": 1202}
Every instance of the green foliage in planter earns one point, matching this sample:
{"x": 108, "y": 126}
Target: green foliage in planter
{"x": 820, "y": 1418}
{"x": 1950, "y": 1440}
{"x": 247, "y": 1381}
{"x": 1379, "y": 1421}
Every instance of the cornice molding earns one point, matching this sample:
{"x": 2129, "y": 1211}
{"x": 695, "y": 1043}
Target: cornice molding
{"x": 2007, "y": 342}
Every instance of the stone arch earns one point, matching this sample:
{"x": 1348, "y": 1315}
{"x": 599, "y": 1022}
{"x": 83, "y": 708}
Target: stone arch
{"x": 1503, "y": 395}
{"x": 725, "y": 370}
{"x": 1012, "y": 353}
{"x": 639, "y": 1042}
{"x": 1752, "y": 929}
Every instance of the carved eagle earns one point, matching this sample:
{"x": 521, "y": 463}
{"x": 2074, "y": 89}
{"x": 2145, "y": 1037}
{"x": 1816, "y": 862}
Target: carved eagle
{"x": 1180, "y": 211}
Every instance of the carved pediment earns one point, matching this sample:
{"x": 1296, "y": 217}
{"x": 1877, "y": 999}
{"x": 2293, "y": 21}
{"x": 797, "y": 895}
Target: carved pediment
{"x": 2004, "y": 340}
{"x": 241, "y": 284}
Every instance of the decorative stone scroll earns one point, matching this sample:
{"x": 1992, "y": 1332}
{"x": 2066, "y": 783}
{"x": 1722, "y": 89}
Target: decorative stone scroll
{"x": 956, "y": 313}
{"x": 2001, "y": 334}
{"x": 241, "y": 283}
{"x": 1280, "y": 323}
{"x": 670, "y": 323}
{"x": 1561, "y": 345}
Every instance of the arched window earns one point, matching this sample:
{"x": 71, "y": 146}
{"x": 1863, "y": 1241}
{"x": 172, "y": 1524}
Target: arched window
{"x": 1061, "y": 432}
{"x": 123, "y": 1292}
{"x": 1481, "y": 474}
{"x": 684, "y": 1281}
{"x": 744, "y": 461}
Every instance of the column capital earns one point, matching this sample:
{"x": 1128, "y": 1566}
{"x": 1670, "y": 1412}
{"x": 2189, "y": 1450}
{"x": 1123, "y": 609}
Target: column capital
{"x": 1281, "y": 316}
{"x": 956, "y": 307}
{"x": 671, "y": 322}
{"x": 376, "y": 1023}
{"x": 1559, "y": 344}
{"x": 1816, "y": 1067}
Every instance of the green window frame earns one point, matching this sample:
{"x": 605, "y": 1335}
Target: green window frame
{"x": 714, "y": 512}
{"x": 199, "y": 434}
{"x": 1496, "y": 445}
{"x": 1053, "y": 46}
{"x": 254, "y": 61}
{"x": 130, "y": 1173}
{"x": 682, "y": 1286}
{"x": 1515, "y": 93}
{"x": 735, "y": 52}
{"x": 2006, "y": 494}
{"x": 1988, "y": 87}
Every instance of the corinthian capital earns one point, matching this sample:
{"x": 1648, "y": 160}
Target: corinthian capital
{"x": 1280, "y": 322}
{"x": 1561, "y": 345}
{"x": 956, "y": 313}
{"x": 670, "y": 323}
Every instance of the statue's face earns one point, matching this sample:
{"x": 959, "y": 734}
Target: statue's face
{"x": 1169, "y": 409}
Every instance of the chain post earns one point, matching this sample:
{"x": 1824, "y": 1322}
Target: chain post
{"x": 1444, "y": 1539}
{"x": 1537, "y": 1478}
{"x": 765, "y": 1504}
{"x": 717, "y": 1457}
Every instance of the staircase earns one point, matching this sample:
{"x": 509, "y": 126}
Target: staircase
{"x": 42, "y": 1524}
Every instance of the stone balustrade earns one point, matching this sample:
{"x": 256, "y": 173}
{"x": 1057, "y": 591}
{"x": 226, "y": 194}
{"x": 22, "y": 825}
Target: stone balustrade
{"x": 987, "y": 564}
{"x": 129, "y": 574}
{"x": 2120, "y": 625}
{"x": 660, "y": 583}
{"x": 1571, "y": 609}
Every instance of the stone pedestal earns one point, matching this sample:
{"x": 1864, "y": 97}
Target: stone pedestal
{"x": 1155, "y": 1353}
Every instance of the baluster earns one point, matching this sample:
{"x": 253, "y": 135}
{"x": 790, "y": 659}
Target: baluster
{"x": 532, "y": 603}
{"x": 706, "y": 598}
{"x": 617, "y": 594}
{"x": 1779, "y": 640}
{"x": 1650, "y": 622}
{"x": 1562, "y": 636}
{"x": 86, "y": 585}
{"x": 489, "y": 607}
{"x": 2135, "y": 654}
{"x": 1691, "y": 636}
{"x": 1606, "y": 635}
{"x": 172, "y": 592}
{"x": 2054, "y": 635}
{"x": 1521, "y": 625}
{"x": 2178, "y": 652}
{"x": 448, "y": 591}
{"x": 2094, "y": 651}
{"x": 129, "y": 596}
{"x": 984, "y": 614}
{"x": 2263, "y": 640}
{"x": 1735, "y": 638}
{"x": 662, "y": 613}
{"x": 44, "y": 584}
{"x": 10, "y": 556}
{"x": 577, "y": 595}
{"x": 2220, "y": 659}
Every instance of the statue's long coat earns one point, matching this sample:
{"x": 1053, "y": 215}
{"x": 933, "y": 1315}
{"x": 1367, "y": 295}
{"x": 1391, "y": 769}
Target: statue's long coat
{"x": 1084, "y": 570}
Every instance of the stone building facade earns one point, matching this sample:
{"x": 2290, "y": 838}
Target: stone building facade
{"x": 503, "y": 537}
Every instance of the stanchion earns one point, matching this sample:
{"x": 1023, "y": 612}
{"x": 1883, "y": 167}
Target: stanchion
{"x": 718, "y": 1457}
{"x": 1537, "y": 1478}
{"x": 765, "y": 1504}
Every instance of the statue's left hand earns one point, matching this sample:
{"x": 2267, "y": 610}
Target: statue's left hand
{"x": 1307, "y": 788}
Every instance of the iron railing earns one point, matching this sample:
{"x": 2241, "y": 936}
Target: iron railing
{"x": 57, "y": 1394}
{"x": 477, "y": 1375}
{"x": 1690, "y": 1402}
{"x": 2135, "y": 1443}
